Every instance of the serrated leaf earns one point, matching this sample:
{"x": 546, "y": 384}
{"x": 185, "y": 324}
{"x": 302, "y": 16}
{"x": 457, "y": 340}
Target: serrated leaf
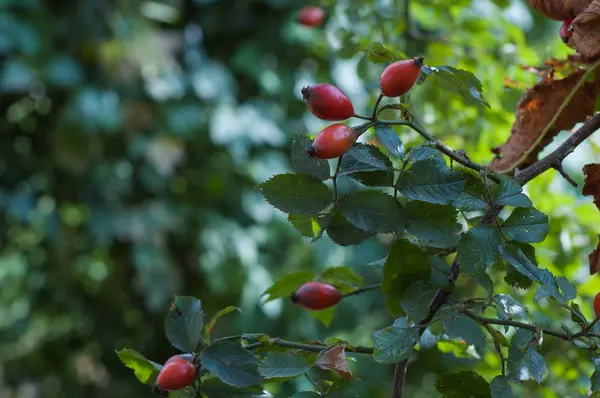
{"x": 334, "y": 358}
{"x": 527, "y": 364}
{"x": 516, "y": 279}
{"x": 343, "y": 278}
{"x": 526, "y": 225}
{"x": 390, "y": 140}
{"x": 473, "y": 196}
{"x": 509, "y": 193}
{"x": 405, "y": 264}
{"x": 478, "y": 250}
{"x": 462, "y": 384}
{"x": 379, "y": 53}
{"x": 287, "y": 285}
{"x": 464, "y": 328}
{"x": 232, "y": 364}
{"x": 282, "y": 364}
{"x": 296, "y": 193}
{"x": 568, "y": 290}
{"x": 510, "y": 306}
{"x": 302, "y": 163}
{"x": 428, "y": 181}
{"x": 373, "y": 211}
{"x": 500, "y": 388}
{"x": 416, "y": 298}
{"x": 342, "y": 232}
{"x": 461, "y": 82}
{"x": 433, "y": 225}
{"x": 311, "y": 226}
{"x": 144, "y": 369}
{"x": 426, "y": 153}
{"x": 364, "y": 158}
{"x": 184, "y": 324}
{"x": 208, "y": 328}
{"x": 394, "y": 344}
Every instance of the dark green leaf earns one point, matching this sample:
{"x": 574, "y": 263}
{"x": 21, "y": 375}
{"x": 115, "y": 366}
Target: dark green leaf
{"x": 478, "y": 250}
{"x": 306, "y": 394}
{"x": 302, "y": 163}
{"x": 364, "y": 158}
{"x": 394, "y": 344}
{"x": 232, "y": 364}
{"x": 462, "y": 82}
{"x": 390, "y": 140}
{"x": 500, "y": 388}
{"x": 595, "y": 379}
{"x": 473, "y": 196}
{"x": 287, "y": 285}
{"x": 462, "y": 385}
{"x": 426, "y": 153}
{"x": 184, "y": 323}
{"x": 568, "y": 290}
{"x": 428, "y": 181}
{"x": 526, "y": 225}
{"x": 405, "y": 264}
{"x": 342, "y": 232}
{"x": 352, "y": 389}
{"x": 310, "y": 226}
{"x": 509, "y": 193}
{"x": 433, "y": 225}
{"x": 416, "y": 298}
{"x": 208, "y": 329}
{"x": 526, "y": 364}
{"x": 282, "y": 364}
{"x": 145, "y": 370}
{"x": 373, "y": 211}
{"x": 510, "y": 306}
{"x": 188, "y": 392}
{"x": 516, "y": 279}
{"x": 344, "y": 278}
{"x": 214, "y": 388}
{"x": 464, "y": 328}
{"x": 296, "y": 193}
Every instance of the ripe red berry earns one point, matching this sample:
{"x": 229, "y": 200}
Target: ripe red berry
{"x": 327, "y": 102}
{"x": 316, "y": 296}
{"x": 398, "y": 78}
{"x": 180, "y": 358}
{"x": 311, "y": 16}
{"x": 597, "y": 305}
{"x": 177, "y": 373}
{"x": 564, "y": 31}
{"x": 332, "y": 142}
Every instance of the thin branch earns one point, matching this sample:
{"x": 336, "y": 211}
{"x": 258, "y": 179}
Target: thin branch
{"x": 593, "y": 323}
{"x": 559, "y": 167}
{"x": 362, "y": 290}
{"x": 376, "y": 106}
{"x": 276, "y": 341}
{"x": 489, "y": 200}
{"x": 361, "y": 117}
{"x": 335, "y": 177}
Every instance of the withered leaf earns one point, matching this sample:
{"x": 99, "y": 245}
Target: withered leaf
{"x": 335, "y": 359}
{"x": 591, "y": 185}
{"x": 535, "y": 110}
{"x": 595, "y": 260}
{"x": 553, "y": 9}
{"x": 586, "y": 33}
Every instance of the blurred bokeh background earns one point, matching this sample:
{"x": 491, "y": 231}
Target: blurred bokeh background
{"x": 133, "y": 133}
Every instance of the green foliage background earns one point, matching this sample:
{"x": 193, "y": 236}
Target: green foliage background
{"x": 132, "y": 135}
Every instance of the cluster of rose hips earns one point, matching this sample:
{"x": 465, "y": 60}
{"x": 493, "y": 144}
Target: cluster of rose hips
{"x": 329, "y": 103}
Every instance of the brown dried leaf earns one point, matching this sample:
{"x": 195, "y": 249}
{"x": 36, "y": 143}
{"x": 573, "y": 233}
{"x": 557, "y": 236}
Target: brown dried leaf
{"x": 576, "y": 6}
{"x": 535, "y": 110}
{"x": 335, "y": 359}
{"x": 553, "y": 9}
{"x": 591, "y": 186}
{"x": 595, "y": 260}
{"x": 586, "y": 34}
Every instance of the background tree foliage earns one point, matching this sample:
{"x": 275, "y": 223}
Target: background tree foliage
{"x": 133, "y": 134}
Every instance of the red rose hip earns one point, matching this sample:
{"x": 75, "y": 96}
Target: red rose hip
{"x": 177, "y": 373}
{"x": 597, "y": 305}
{"x": 180, "y": 358}
{"x": 316, "y": 296}
{"x": 311, "y": 16}
{"x": 398, "y": 78}
{"x": 327, "y": 102}
{"x": 564, "y": 31}
{"x": 332, "y": 142}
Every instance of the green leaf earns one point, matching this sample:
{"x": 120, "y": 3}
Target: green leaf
{"x": 461, "y": 327}
{"x": 306, "y": 394}
{"x": 296, "y": 193}
{"x": 426, "y": 153}
{"x": 509, "y": 193}
{"x": 568, "y": 290}
{"x": 342, "y": 232}
{"x": 343, "y": 278}
{"x": 433, "y": 225}
{"x": 516, "y": 279}
{"x": 462, "y": 82}
{"x": 462, "y": 384}
{"x": 311, "y": 226}
{"x": 526, "y": 225}
{"x": 232, "y": 364}
{"x": 302, "y": 163}
{"x": 500, "y": 388}
{"x": 363, "y": 158}
{"x": 214, "y": 388}
{"x": 282, "y": 364}
{"x": 478, "y": 250}
{"x": 595, "y": 379}
{"x": 287, "y": 285}
{"x": 208, "y": 328}
{"x": 416, "y": 298}
{"x": 373, "y": 211}
{"x": 352, "y": 389}
{"x": 428, "y": 181}
{"x": 184, "y": 323}
{"x": 390, "y": 140}
{"x": 188, "y": 392}
{"x": 405, "y": 264}
{"x": 324, "y": 316}
{"x": 145, "y": 370}
{"x": 527, "y": 364}
{"x": 510, "y": 306}
{"x": 394, "y": 344}
{"x": 379, "y": 53}
{"x": 473, "y": 196}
